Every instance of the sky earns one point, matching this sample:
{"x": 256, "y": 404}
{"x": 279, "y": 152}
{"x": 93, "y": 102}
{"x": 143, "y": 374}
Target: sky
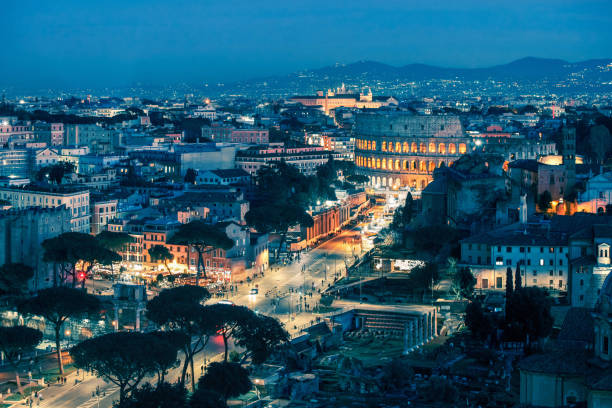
{"x": 93, "y": 43}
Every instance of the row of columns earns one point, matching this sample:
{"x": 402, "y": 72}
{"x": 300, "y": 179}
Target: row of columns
{"x": 419, "y": 331}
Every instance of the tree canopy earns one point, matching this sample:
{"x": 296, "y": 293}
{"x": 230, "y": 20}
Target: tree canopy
{"x": 203, "y": 238}
{"x": 123, "y": 358}
{"x": 58, "y": 304}
{"x": 227, "y": 379}
{"x": 529, "y": 313}
{"x": 14, "y": 278}
{"x": 163, "y": 395}
{"x": 180, "y": 309}
{"x": 260, "y": 336}
{"x": 15, "y": 342}
{"x": 161, "y": 253}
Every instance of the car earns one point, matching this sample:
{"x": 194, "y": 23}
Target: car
{"x": 225, "y": 302}
{"x": 254, "y": 291}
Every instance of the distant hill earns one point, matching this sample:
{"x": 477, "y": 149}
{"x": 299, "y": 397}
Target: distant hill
{"x": 539, "y": 70}
{"x": 529, "y": 67}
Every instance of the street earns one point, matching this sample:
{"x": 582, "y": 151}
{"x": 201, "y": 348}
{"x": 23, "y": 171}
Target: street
{"x": 285, "y": 286}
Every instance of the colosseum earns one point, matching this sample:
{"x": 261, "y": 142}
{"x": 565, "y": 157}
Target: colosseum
{"x": 402, "y": 149}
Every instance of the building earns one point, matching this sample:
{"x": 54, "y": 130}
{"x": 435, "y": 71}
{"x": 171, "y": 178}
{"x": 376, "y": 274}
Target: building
{"x": 575, "y": 371}
{"x": 223, "y": 177}
{"x": 221, "y": 133}
{"x": 534, "y": 178}
{"x": 567, "y": 254}
{"x": 15, "y": 133}
{"x": 401, "y": 149}
{"x": 340, "y": 98}
{"x": 74, "y": 199}
{"x": 306, "y": 159}
{"x": 179, "y": 158}
{"x": 99, "y": 139}
{"x": 103, "y": 210}
{"x": 22, "y": 232}
{"x": 597, "y": 194}
{"x": 50, "y": 133}
{"x": 14, "y": 163}
{"x": 221, "y": 205}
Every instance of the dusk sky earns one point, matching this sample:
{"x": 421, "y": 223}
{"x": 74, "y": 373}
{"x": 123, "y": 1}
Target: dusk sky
{"x": 70, "y": 43}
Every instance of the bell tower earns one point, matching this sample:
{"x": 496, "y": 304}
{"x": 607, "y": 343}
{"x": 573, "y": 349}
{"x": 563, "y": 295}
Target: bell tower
{"x": 569, "y": 156}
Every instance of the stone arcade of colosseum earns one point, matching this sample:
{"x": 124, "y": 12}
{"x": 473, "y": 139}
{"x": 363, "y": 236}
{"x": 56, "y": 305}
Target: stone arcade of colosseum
{"x": 402, "y": 149}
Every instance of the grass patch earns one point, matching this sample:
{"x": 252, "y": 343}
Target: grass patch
{"x": 324, "y": 309}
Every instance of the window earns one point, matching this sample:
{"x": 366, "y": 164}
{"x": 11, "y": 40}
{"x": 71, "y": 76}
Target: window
{"x": 560, "y": 283}
{"x": 508, "y": 262}
{"x": 541, "y": 262}
{"x": 551, "y": 273}
{"x": 551, "y": 262}
{"x": 485, "y": 283}
{"x": 508, "y": 249}
{"x": 499, "y": 282}
{"x": 522, "y": 250}
{"x": 605, "y": 345}
{"x": 581, "y": 282}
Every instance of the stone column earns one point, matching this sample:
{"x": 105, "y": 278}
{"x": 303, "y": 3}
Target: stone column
{"x": 137, "y": 325}
{"x": 116, "y": 322}
{"x": 411, "y": 333}
{"x": 406, "y": 342}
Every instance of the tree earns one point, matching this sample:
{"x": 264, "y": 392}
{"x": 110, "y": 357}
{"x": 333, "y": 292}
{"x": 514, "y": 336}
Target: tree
{"x": 423, "y": 278}
{"x": 14, "y": 278}
{"x": 114, "y": 241}
{"x": 123, "y": 358}
{"x": 180, "y": 309}
{"x": 599, "y": 142}
{"x": 463, "y": 283}
{"x": 190, "y": 176}
{"x": 544, "y": 201}
{"x": 58, "y": 304}
{"x": 509, "y": 287}
{"x": 55, "y": 172}
{"x": 228, "y": 319}
{"x": 161, "y": 253}
{"x": 529, "y": 313}
{"x": 279, "y": 218}
{"x": 260, "y": 336}
{"x": 517, "y": 277}
{"x": 396, "y": 375}
{"x": 228, "y": 379}
{"x": 203, "y": 238}
{"x": 357, "y": 179}
{"x": 477, "y": 320}
{"x": 15, "y": 342}
{"x": 204, "y": 398}
{"x": 68, "y": 249}
{"x": 164, "y": 395}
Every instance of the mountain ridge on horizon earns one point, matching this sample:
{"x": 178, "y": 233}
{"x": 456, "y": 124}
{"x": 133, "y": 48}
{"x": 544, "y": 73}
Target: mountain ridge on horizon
{"x": 523, "y": 68}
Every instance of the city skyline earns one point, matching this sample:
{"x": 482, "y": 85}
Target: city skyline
{"x": 111, "y": 44}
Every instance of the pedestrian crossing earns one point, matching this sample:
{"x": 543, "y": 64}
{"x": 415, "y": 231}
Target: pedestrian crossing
{"x": 93, "y": 402}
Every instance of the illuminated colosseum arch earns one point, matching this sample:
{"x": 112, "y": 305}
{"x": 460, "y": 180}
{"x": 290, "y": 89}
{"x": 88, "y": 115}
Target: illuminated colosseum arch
{"x": 423, "y": 184}
{"x": 397, "y": 164}
{"x": 442, "y": 148}
{"x": 406, "y": 148}
{"x": 405, "y": 165}
{"x": 432, "y": 166}
{"x": 414, "y": 147}
{"x": 432, "y": 147}
{"x": 383, "y": 163}
{"x": 414, "y": 165}
{"x": 422, "y": 148}
{"x": 384, "y": 146}
{"x": 398, "y": 147}
{"x": 390, "y": 146}
{"x": 374, "y": 145}
{"x": 369, "y": 145}
{"x": 462, "y": 148}
{"x": 423, "y": 166}
{"x": 452, "y": 149}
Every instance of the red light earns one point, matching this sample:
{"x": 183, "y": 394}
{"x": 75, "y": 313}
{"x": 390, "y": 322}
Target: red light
{"x": 81, "y": 275}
